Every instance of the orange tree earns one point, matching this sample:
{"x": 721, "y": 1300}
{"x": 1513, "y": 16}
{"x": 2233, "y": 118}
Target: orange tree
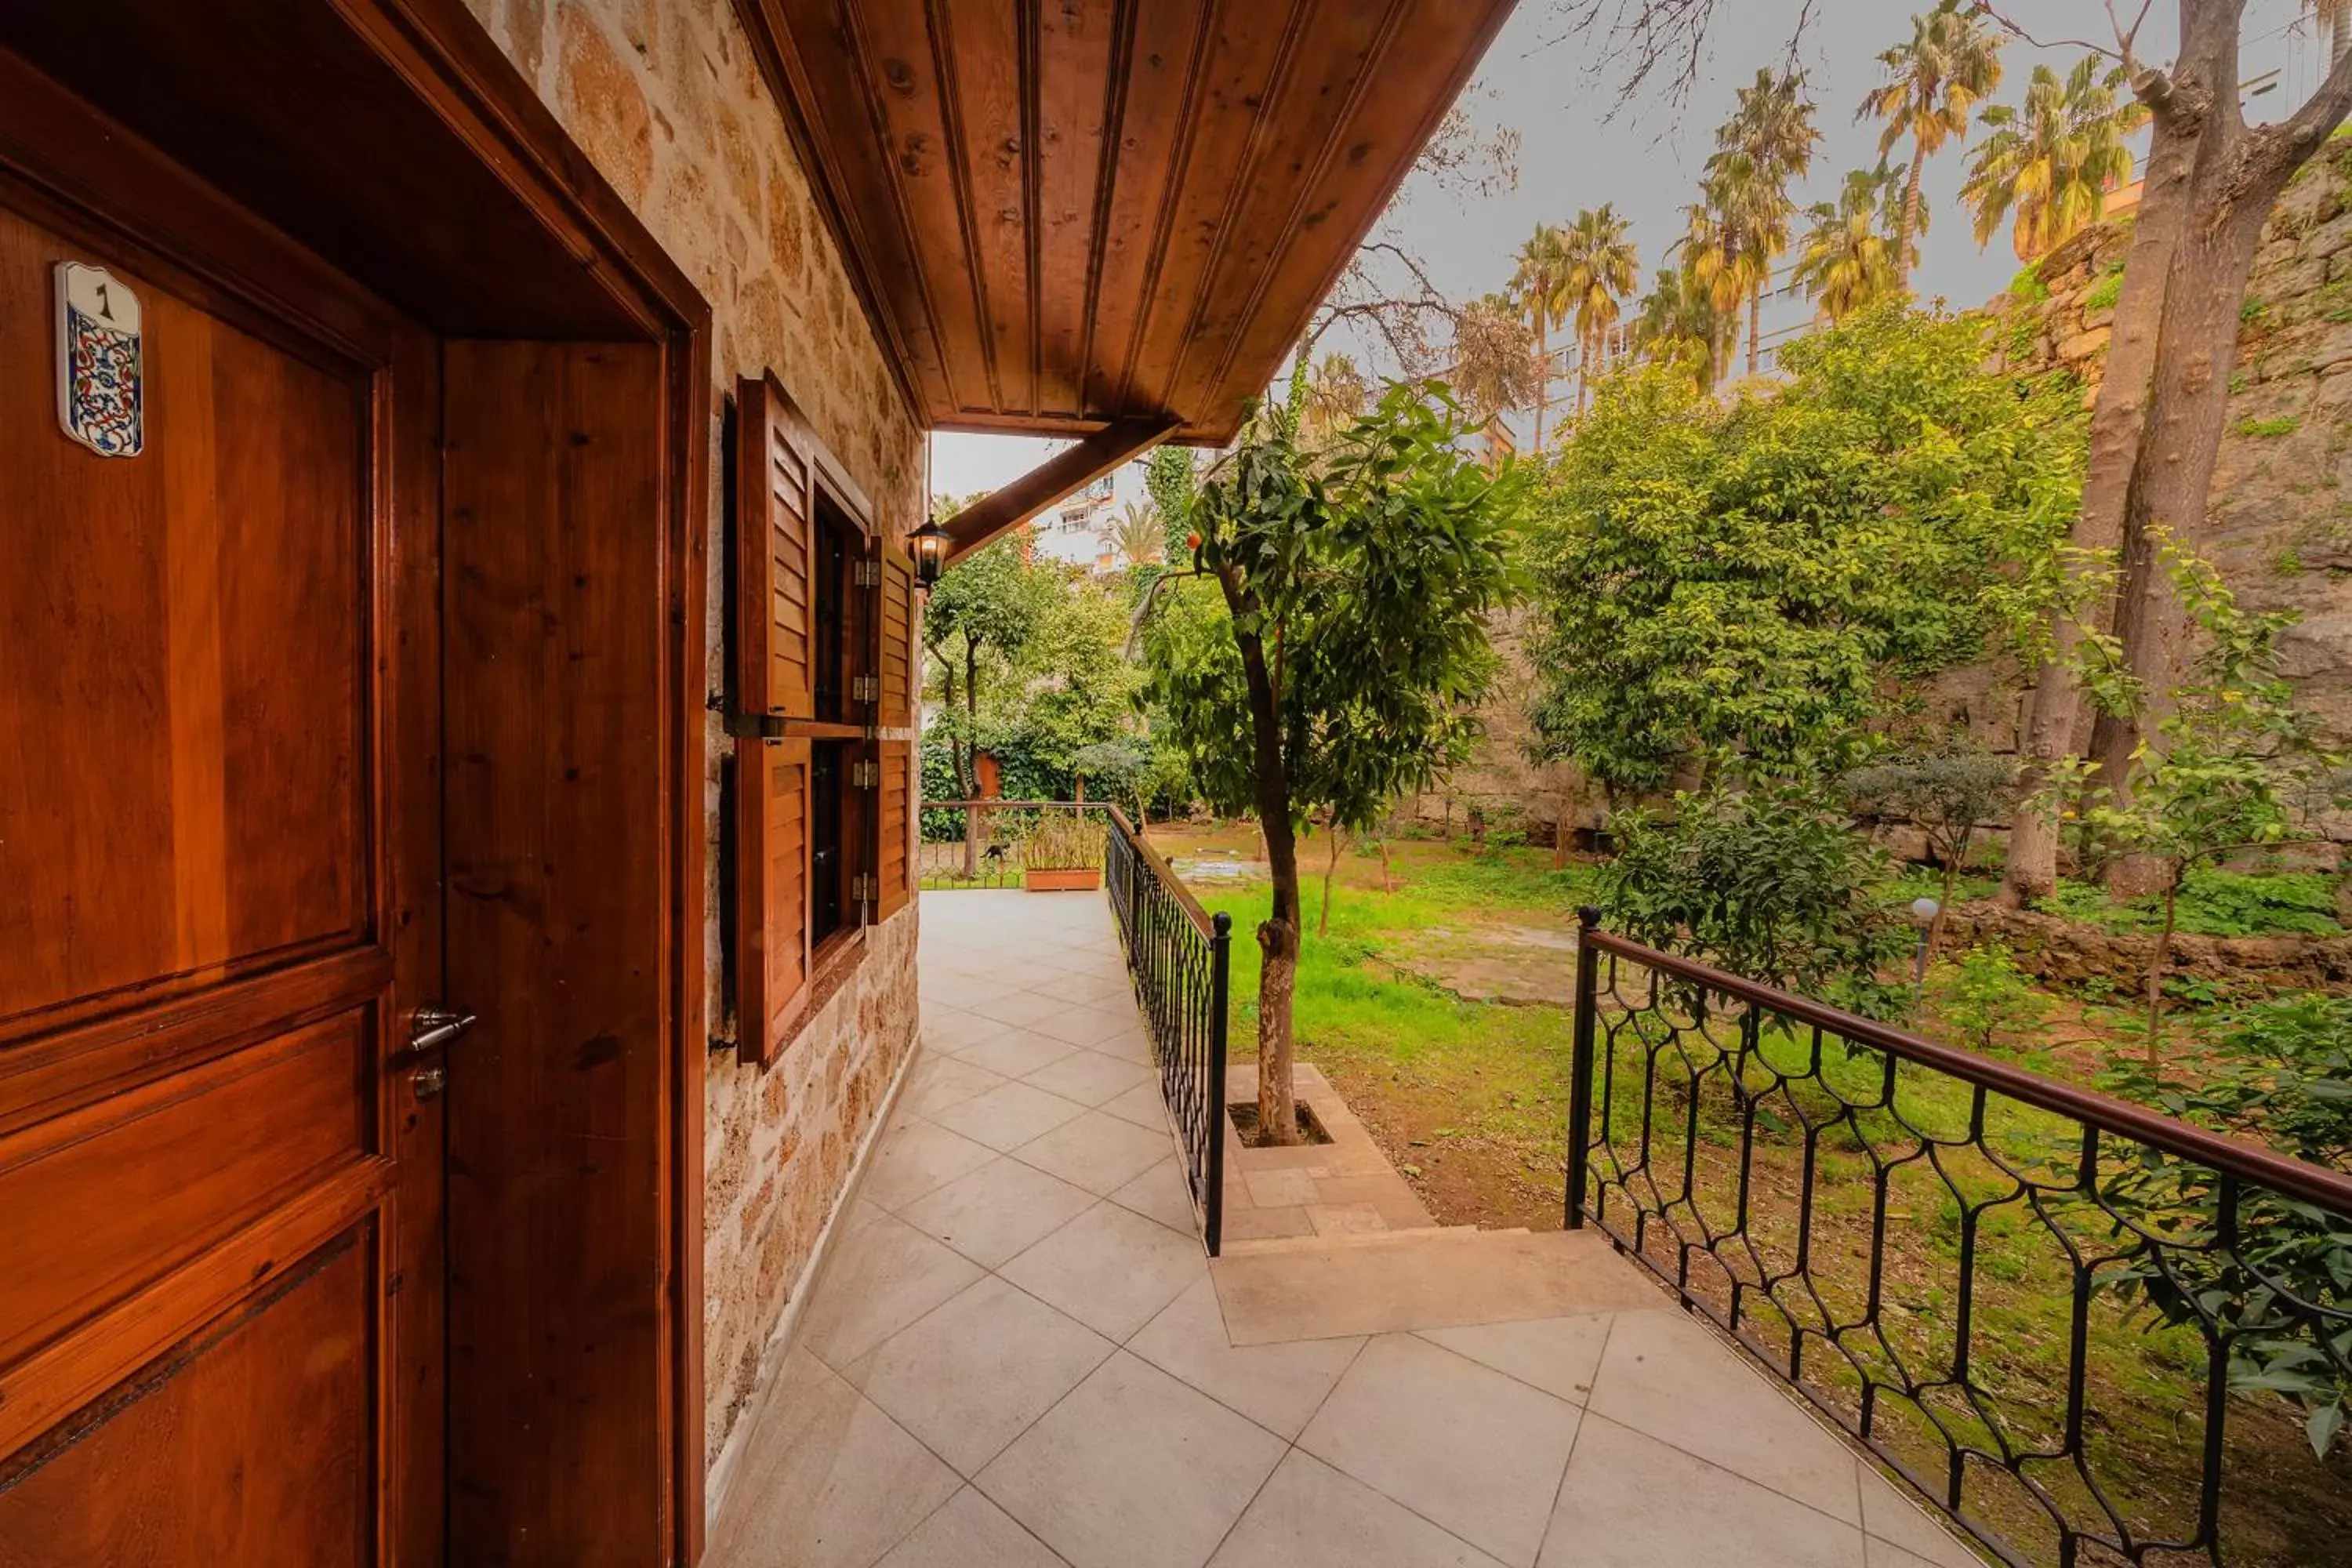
{"x": 1339, "y": 661}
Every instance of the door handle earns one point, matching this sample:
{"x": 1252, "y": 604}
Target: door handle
{"x": 430, "y": 1028}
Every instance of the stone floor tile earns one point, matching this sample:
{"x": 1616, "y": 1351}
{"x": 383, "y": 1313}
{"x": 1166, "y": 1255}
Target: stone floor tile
{"x": 1024, "y": 1008}
{"x": 882, "y": 1277}
{"x": 1085, "y": 1026}
{"x": 970, "y": 1531}
{"x": 1144, "y": 1105}
{"x": 972, "y": 1375}
{"x": 1091, "y": 1077}
{"x": 1558, "y": 1355}
{"x": 1277, "y": 1386}
{"x": 1346, "y": 1219}
{"x": 1877, "y": 1553}
{"x": 1308, "y": 1515}
{"x": 1017, "y": 1052}
{"x": 919, "y": 1157}
{"x": 1264, "y": 1224}
{"x": 1091, "y": 987}
{"x": 1279, "y": 1189}
{"x": 1160, "y": 1193}
{"x": 1008, "y": 1116}
{"x": 1128, "y": 1045}
{"x": 1110, "y": 1268}
{"x": 1895, "y": 1522}
{"x": 949, "y": 1029}
{"x": 1100, "y": 1153}
{"x": 1631, "y": 1501}
{"x": 1664, "y": 1375}
{"x": 993, "y": 1213}
{"x": 939, "y": 1081}
{"x": 1474, "y": 1452}
{"x": 1132, "y": 1471}
{"x": 828, "y": 1480}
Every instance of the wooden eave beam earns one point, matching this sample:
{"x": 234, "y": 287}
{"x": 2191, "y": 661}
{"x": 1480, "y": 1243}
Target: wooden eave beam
{"x": 1062, "y": 474}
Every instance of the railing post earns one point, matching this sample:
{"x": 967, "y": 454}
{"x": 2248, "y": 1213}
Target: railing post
{"x": 1220, "y": 952}
{"x": 1579, "y": 1072}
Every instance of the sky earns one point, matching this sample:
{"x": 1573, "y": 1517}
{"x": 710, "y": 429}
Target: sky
{"x": 1580, "y": 147}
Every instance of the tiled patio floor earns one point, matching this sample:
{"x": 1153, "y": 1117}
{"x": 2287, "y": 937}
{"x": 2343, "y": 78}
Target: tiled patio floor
{"x": 1017, "y": 1354}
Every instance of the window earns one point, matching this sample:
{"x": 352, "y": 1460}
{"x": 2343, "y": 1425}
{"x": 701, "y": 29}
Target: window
{"x": 823, "y": 627}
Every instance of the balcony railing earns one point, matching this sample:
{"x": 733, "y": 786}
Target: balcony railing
{"x": 1181, "y": 961}
{"x": 986, "y": 843}
{"x": 1984, "y": 1275}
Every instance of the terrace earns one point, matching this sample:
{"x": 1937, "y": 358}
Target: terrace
{"x": 1019, "y": 1352}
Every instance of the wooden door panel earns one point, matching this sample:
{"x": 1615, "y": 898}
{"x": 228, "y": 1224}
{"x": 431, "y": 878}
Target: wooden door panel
{"x": 250, "y": 1445}
{"x": 184, "y": 706}
{"x": 196, "y": 984}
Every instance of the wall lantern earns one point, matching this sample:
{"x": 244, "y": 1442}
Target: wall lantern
{"x": 929, "y": 544}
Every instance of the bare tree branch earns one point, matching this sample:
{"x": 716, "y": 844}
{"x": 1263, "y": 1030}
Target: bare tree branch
{"x": 2297, "y": 138}
{"x": 1647, "y": 37}
{"x": 2119, "y": 50}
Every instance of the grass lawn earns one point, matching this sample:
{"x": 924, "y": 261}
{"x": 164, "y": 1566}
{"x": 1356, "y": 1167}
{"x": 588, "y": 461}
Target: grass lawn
{"x": 1469, "y": 1098}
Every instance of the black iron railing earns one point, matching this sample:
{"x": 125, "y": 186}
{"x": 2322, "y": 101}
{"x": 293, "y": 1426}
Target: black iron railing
{"x": 990, "y": 842}
{"x": 1181, "y": 961}
{"x": 2067, "y": 1320}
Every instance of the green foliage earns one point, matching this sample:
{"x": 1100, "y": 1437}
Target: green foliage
{"x": 2216, "y": 902}
{"x": 1771, "y": 883}
{"x": 2027, "y": 288}
{"x": 2281, "y": 1073}
{"x": 1360, "y": 582}
{"x": 1947, "y": 796}
{"x": 2107, "y": 291}
{"x": 1168, "y": 477}
{"x": 1985, "y": 998}
{"x": 2267, "y": 429}
{"x": 1736, "y": 581}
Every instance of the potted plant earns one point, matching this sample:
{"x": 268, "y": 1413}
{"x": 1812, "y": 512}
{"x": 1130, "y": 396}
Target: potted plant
{"x": 1064, "y": 854}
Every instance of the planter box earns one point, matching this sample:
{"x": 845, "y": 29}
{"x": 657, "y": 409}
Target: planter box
{"x": 1068, "y": 879}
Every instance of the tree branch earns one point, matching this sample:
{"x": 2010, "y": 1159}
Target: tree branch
{"x": 2293, "y": 141}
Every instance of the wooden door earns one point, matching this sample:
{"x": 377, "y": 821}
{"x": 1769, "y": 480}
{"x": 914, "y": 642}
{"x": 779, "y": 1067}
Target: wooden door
{"x": 216, "y": 1291}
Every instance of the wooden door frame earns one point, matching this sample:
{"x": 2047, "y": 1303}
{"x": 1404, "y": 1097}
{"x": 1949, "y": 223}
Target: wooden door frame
{"x": 439, "y": 68}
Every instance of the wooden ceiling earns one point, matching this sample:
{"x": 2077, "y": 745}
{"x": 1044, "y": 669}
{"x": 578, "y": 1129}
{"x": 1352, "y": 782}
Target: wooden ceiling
{"x": 1065, "y": 213}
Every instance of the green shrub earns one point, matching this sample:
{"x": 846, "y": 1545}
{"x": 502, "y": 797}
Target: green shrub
{"x": 1984, "y": 996}
{"x": 1771, "y": 884}
{"x": 2215, "y": 902}
{"x": 2280, "y": 1073}
{"x": 2109, "y": 288}
{"x": 2267, "y": 429}
{"x": 2027, "y": 288}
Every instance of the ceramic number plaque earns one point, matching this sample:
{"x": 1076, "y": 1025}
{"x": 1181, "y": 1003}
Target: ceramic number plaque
{"x": 102, "y": 392}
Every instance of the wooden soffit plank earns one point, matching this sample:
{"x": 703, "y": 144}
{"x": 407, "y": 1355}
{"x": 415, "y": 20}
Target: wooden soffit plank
{"x": 1064, "y": 473}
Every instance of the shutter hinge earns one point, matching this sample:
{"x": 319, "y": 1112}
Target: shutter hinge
{"x": 866, "y": 688}
{"x": 756, "y": 726}
{"x": 869, "y": 573}
{"x": 865, "y": 774}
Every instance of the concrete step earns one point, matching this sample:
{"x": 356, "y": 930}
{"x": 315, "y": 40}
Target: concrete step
{"x": 1397, "y": 1281}
{"x": 1258, "y": 1246}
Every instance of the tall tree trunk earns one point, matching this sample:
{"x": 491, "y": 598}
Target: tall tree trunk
{"x": 973, "y": 831}
{"x": 1543, "y": 379}
{"x": 1755, "y": 324}
{"x": 2055, "y": 708}
{"x": 1907, "y": 223}
{"x": 1277, "y": 935}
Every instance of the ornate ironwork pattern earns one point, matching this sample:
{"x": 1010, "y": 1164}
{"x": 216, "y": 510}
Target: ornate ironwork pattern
{"x": 1181, "y": 961}
{"x": 980, "y": 843}
{"x": 1891, "y": 1227}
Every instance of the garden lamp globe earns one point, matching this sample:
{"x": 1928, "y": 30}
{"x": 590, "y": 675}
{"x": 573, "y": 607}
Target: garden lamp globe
{"x": 1925, "y": 910}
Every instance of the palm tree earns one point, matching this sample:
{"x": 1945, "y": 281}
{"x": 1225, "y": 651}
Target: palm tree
{"x": 1539, "y": 286}
{"x": 1679, "y": 322}
{"x": 1952, "y": 61}
{"x": 1847, "y": 263}
{"x": 1493, "y": 364}
{"x": 1767, "y": 143}
{"x": 1139, "y": 535}
{"x": 2053, "y": 161}
{"x": 2335, "y": 26}
{"x": 1602, "y": 269}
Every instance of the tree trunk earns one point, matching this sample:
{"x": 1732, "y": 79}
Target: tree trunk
{"x": 2116, "y": 419}
{"x": 1386, "y": 887}
{"x": 2156, "y": 966}
{"x": 1323, "y": 920}
{"x": 1277, "y": 935}
{"x": 1909, "y": 224}
{"x": 1543, "y": 379}
{"x": 973, "y": 831}
{"x": 1755, "y": 324}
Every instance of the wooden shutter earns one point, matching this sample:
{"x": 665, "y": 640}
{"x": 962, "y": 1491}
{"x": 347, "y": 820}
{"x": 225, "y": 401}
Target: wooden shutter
{"x": 775, "y": 541}
{"x": 895, "y": 863}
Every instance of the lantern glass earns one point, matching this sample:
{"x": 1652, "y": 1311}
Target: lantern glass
{"x": 929, "y": 544}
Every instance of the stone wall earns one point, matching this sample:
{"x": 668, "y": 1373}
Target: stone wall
{"x": 665, "y": 96}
